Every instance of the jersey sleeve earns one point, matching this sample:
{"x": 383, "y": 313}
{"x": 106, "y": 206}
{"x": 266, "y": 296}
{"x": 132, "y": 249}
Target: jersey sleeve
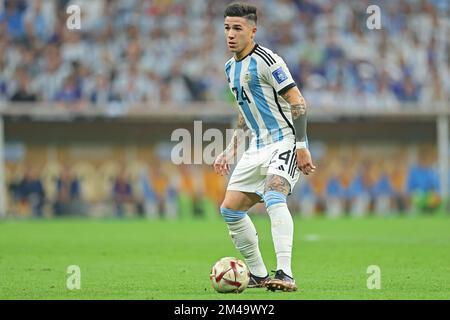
{"x": 227, "y": 70}
{"x": 278, "y": 75}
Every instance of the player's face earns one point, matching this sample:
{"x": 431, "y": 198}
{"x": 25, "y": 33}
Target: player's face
{"x": 239, "y": 33}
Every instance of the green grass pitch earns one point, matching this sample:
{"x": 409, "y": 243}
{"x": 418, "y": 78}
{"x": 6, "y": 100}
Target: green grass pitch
{"x": 142, "y": 259}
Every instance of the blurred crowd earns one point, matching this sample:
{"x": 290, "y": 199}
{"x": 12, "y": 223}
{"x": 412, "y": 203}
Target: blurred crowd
{"x": 382, "y": 184}
{"x": 150, "y": 52}
{"x": 355, "y": 183}
{"x": 113, "y": 188}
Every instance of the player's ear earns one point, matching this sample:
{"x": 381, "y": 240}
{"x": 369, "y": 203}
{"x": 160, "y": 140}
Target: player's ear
{"x": 253, "y": 32}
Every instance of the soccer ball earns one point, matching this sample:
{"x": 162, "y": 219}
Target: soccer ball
{"x": 229, "y": 274}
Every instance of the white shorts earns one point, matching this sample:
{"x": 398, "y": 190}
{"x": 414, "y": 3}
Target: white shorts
{"x": 278, "y": 158}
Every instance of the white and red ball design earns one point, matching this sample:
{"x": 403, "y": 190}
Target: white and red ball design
{"x": 229, "y": 274}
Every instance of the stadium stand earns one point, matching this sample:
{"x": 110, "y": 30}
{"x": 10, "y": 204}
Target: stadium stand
{"x": 170, "y": 51}
{"x": 357, "y": 185}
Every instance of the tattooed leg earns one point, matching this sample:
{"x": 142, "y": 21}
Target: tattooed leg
{"x": 278, "y": 184}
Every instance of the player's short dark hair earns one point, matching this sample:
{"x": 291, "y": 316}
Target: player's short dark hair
{"x": 238, "y": 9}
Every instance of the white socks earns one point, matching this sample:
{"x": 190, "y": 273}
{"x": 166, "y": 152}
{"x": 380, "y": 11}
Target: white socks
{"x": 282, "y": 235}
{"x": 245, "y": 239}
{"x": 282, "y": 229}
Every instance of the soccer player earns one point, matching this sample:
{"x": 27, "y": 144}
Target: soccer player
{"x": 268, "y": 101}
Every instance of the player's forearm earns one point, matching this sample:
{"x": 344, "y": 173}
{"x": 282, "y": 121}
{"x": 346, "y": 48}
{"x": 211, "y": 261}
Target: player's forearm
{"x": 298, "y": 110}
{"x": 238, "y": 136}
{"x": 230, "y": 150}
{"x": 301, "y": 121}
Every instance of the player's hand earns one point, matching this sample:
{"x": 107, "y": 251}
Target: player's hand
{"x": 304, "y": 161}
{"x": 221, "y": 165}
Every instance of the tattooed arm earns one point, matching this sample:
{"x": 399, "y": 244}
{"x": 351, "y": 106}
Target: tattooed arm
{"x": 298, "y": 110}
{"x": 222, "y": 162}
{"x": 237, "y": 138}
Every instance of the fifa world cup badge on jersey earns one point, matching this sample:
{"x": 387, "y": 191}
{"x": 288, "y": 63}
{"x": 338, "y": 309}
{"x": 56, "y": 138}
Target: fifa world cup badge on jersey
{"x": 279, "y": 75}
{"x": 247, "y": 78}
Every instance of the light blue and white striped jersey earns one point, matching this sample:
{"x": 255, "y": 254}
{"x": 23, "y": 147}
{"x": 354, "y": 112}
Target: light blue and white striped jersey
{"x": 257, "y": 81}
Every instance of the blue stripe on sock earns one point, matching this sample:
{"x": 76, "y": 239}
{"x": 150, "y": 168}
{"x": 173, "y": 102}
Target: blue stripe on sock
{"x": 274, "y": 197}
{"x": 232, "y": 215}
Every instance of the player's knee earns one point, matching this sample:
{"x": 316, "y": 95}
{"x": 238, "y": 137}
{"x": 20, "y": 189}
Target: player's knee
{"x": 274, "y": 197}
{"x": 231, "y": 215}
